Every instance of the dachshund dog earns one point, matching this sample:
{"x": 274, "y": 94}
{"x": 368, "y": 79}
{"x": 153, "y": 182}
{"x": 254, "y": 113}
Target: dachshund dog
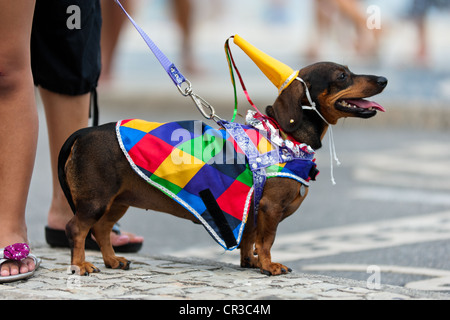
{"x": 100, "y": 185}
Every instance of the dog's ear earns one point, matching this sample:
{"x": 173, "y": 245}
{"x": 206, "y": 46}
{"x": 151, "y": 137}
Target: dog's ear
{"x": 287, "y": 109}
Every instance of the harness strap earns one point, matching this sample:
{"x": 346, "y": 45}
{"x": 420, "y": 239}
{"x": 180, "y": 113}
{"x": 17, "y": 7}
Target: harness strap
{"x": 257, "y": 162}
{"x": 93, "y": 109}
{"x": 219, "y": 218}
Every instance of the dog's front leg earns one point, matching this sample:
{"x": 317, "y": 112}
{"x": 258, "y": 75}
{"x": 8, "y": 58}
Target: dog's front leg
{"x": 272, "y": 210}
{"x": 269, "y": 216}
{"x": 281, "y": 198}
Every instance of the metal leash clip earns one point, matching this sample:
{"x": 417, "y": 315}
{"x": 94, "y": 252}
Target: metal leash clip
{"x": 200, "y": 103}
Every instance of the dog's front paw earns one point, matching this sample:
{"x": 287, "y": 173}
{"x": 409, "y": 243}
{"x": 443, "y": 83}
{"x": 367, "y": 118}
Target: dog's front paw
{"x": 84, "y": 269}
{"x": 117, "y": 263}
{"x": 275, "y": 269}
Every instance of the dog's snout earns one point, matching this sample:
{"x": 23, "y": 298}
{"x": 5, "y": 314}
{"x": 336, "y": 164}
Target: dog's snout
{"x": 382, "y": 82}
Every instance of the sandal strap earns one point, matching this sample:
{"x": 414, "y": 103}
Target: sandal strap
{"x": 17, "y": 251}
{"x": 116, "y": 229}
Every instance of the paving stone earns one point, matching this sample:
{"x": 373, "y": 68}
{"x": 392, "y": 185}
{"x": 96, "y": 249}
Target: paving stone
{"x": 170, "y": 278}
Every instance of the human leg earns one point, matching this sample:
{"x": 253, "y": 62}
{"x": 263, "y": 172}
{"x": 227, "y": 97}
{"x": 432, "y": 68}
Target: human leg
{"x": 19, "y": 128}
{"x": 66, "y": 68}
{"x": 66, "y": 114}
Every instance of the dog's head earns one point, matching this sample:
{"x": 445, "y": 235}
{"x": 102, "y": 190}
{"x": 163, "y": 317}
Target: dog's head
{"x": 337, "y": 92}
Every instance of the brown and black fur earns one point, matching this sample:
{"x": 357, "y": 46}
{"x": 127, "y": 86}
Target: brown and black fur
{"x": 100, "y": 185}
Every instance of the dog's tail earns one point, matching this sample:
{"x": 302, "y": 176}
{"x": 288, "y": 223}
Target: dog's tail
{"x": 64, "y": 154}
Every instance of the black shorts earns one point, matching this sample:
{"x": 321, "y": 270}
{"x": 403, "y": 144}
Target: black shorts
{"x": 65, "y": 59}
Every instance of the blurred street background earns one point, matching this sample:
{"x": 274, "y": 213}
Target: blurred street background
{"x": 417, "y": 66}
{"x": 391, "y": 205}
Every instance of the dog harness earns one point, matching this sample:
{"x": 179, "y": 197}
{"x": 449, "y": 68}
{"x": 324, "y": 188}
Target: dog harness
{"x": 214, "y": 173}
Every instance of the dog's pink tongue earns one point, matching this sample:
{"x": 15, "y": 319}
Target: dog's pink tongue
{"x": 366, "y": 104}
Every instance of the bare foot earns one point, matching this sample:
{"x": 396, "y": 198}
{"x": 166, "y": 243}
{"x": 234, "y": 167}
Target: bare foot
{"x": 15, "y": 267}
{"x": 11, "y": 268}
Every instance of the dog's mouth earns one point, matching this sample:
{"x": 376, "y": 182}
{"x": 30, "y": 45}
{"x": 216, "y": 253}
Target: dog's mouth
{"x": 360, "y": 107}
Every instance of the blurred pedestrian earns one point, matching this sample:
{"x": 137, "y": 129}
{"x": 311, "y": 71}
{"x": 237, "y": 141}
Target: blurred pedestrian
{"x": 113, "y": 23}
{"x": 418, "y": 12}
{"x": 330, "y": 15}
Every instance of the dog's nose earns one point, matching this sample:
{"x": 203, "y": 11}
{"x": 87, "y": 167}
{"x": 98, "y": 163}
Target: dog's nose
{"x": 382, "y": 82}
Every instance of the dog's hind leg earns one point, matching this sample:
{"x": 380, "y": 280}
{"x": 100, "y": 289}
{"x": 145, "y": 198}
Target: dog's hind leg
{"x": 102, "y": 230}
{"x": 90, "y": 210}
{"x": 76, "y": 232}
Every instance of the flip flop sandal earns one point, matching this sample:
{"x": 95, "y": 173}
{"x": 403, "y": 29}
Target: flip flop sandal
{"x": 57, "y": 238}
{"x": 17, "y": 252}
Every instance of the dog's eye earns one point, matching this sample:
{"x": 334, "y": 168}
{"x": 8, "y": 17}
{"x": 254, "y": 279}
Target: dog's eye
{"x": 342, "y": 76}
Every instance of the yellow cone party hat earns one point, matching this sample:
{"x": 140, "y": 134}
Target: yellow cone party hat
{"x": 280, "y": 74}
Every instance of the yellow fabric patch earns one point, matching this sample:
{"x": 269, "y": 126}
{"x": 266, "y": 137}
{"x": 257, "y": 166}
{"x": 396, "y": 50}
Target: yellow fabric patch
{"x": 142, "y": 125}
{"x": 172, "y": 169}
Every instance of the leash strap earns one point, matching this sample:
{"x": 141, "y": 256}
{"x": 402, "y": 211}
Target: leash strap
{"x": 176, "y": 76}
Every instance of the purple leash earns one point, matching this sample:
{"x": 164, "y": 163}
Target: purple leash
{"x": 170, "y": 68}
{"x": 176, "y": 76}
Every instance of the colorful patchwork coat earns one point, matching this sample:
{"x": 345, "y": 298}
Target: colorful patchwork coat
{"x": 206, "y": 170}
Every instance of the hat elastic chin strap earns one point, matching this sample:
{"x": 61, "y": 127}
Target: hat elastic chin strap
{"x": 312, "y": 106}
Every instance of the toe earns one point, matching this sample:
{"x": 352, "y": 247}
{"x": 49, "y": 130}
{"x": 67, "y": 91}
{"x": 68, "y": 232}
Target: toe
{"x": 9, "y": 269}
{"x": 27, "y": 265}
{"x": 132, "y": 238}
